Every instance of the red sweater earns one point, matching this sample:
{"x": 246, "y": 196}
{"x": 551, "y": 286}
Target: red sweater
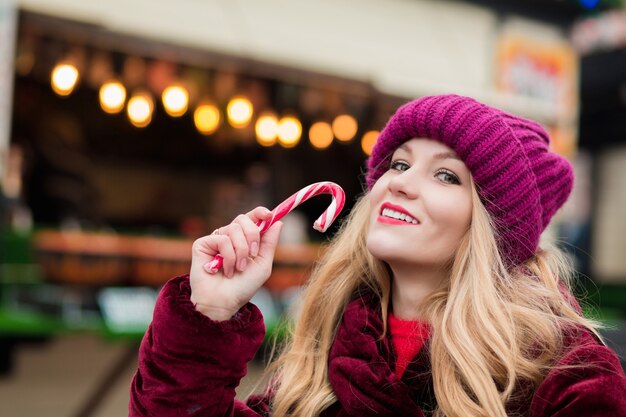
{"x": 408, "y": 338}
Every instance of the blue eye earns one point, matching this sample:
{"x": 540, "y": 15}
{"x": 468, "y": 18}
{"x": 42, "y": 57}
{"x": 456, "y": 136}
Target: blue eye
{"x": 399, "y": 166}
{"x": 448, "y": 177}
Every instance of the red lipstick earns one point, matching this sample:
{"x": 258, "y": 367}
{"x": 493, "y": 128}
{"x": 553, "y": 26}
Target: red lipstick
{"x": 407, "y": 220}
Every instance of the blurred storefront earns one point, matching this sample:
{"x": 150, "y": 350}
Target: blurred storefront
{"x": 600, "y": 41}
{"x": 106, "y": 200}
{"x": 106, "y": 182}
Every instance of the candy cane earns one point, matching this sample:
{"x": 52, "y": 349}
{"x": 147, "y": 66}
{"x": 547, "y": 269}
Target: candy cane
{"x": 321, "y": 224}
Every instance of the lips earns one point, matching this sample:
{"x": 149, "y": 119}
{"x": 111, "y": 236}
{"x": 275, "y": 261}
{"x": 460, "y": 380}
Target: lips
{"x": 393, "y": 214}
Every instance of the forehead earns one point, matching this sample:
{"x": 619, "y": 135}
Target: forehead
{"x": 428, "y": 146}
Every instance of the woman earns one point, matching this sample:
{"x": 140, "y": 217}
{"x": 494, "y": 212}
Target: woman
{"x": 434, "y": 298}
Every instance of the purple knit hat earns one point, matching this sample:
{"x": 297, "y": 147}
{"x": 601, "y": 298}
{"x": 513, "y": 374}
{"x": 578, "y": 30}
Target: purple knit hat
{"x": 521, "y": 183}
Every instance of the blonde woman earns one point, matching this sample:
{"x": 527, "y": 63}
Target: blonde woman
{"x": 434, "y": 298}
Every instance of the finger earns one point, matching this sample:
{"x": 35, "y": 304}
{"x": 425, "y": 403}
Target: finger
{"x": 256, "y": 216}
{"x": 226, "y": 250}
{"x": 269, "y": 241}
{"x": 205, "y": 251}
{"x": 251, "y": 232}
{"x": 259, "y": 214}
{"x": 205, "y": 246}
{"x": 240, "y": 244}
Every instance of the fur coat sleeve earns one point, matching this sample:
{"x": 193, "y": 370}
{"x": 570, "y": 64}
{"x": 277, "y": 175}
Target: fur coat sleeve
{"x": 190, "y": 365}
{"x": 587, "y": 381}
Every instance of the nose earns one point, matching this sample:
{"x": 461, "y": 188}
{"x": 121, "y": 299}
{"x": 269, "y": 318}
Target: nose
{"x": 405, "y": 184}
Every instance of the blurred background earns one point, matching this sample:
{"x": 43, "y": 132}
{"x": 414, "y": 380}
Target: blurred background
{"x": 130, "y": 128}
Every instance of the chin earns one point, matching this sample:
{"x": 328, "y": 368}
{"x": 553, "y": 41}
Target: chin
{"x": 384, "y": 252}
{"x": 397, "y": 255}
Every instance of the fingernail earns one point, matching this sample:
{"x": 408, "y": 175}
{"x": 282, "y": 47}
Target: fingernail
{"x": 242, "y": 264}
{"x": 254, "y": 249}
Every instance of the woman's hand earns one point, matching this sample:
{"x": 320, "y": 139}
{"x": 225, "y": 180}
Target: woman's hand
{"x": 248, "y": 258}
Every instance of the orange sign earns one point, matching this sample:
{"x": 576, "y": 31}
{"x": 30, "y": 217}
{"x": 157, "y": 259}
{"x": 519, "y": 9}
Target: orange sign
{"x": 546, "y": 71}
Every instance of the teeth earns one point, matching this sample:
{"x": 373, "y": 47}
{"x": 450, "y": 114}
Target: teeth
{"x": 387, "y": 212}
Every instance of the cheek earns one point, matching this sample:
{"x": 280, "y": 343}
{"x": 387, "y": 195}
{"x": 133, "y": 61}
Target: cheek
{"x": 453, "y": 213}
{"x": 376, "y": 194}
{"x": 378, "y": 188}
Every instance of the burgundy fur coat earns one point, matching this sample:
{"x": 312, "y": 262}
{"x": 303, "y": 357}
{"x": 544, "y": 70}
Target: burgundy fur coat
{"x": 190, "y": 365}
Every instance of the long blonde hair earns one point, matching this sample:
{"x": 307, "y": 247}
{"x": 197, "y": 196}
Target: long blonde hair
{"x": 492, "y": 327}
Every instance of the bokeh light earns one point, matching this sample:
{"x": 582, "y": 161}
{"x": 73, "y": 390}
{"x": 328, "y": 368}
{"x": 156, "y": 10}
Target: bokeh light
{"x": 239, "y": 111}
{"x": 320, "y": 135}
{"x": 345, "y": 127}
{"x": 368, "y": 140}
{"x": 139, "y": 109}
{"x": 207, "y": 118}
{"x": 266, "y": 129}
{"x": 64, "y": 78}
{"x": 175, "y": 100}
{"x": 289, "y": 131}
{"x": 112, "y": 97}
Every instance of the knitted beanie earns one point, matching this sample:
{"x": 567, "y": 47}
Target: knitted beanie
{"x": 520, "y": 182}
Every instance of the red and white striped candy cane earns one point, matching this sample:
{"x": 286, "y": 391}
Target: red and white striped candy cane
{"x": 321, "y": 224}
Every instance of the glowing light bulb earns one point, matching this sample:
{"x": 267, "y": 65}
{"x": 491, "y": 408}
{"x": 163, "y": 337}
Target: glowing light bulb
{"x": 368, "y": 141}
{"x": 266, "y": 129}
{"x": 207, "y": 118}
{"x": 239, "y": 112}
{"x": 112, "y": 97}
{"x": 289, "y": 131}
{"x": 320, "y": 135}
{"x": 64, "y": 78}
{"x": 175, "y": 100}
{"x": 139, "y": 109}
{"x": 345, "y": 127}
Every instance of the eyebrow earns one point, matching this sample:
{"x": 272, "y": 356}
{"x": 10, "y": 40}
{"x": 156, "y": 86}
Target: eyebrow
{"x": 439, "y": 155}
{"x": 446, "y": 155}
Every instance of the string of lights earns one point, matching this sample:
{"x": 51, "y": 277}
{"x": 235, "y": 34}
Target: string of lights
{"x": 270, "y": 128}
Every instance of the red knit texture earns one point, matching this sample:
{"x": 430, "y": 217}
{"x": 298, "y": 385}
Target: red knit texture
{"x": 408, "y": 338}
